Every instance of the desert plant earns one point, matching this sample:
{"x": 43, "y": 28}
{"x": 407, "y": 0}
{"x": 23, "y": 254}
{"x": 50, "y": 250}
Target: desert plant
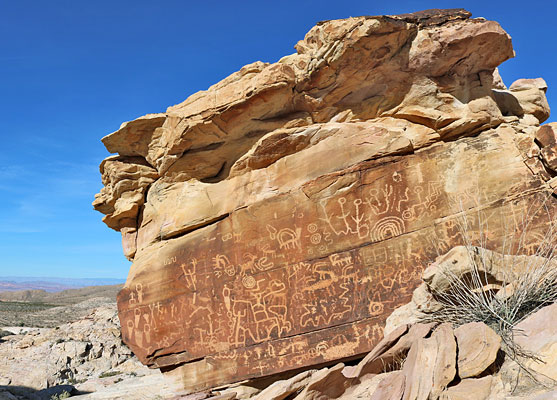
{"x": 394, "y": 364}
{"x": 108, "y": 374}
{"x": 524, "y": 286}
{"x": 60, "y": 396}
{"x": 5, "y": 333}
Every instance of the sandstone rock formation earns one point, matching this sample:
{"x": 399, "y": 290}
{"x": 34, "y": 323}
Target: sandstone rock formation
{"x": 276, "y": 219}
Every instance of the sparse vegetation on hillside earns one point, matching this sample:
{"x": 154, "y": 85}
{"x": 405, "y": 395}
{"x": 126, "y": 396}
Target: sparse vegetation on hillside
{"x": 68, "y": 296}
{"x": 45, "y": 310}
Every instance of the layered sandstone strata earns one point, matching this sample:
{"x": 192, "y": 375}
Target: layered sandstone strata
{"x": 276, "y": 219}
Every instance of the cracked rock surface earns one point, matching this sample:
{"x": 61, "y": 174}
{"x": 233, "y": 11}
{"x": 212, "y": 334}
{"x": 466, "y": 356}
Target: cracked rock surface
{"x": 276, "y": 219}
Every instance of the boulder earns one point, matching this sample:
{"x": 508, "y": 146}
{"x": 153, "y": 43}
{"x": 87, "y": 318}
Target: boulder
{"x": 276, "y": 219}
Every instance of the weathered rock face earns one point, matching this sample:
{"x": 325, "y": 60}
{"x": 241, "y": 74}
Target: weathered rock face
{"x": 277, "y": 218}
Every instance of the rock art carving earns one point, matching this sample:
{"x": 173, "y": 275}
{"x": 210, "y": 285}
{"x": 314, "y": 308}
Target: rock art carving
{"x": 276, "y": 219}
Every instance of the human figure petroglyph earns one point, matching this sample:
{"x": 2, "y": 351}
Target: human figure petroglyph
{"x": 361, "y": 228}
{"x": 356, "y": 220}
{"x": 389, "y": 199}
{"x": 257, "y": 316}
{"x": 131, "y": 330}
{"x": 344, "y": 217}
{"x": 351, "y": 221}
{"x": 382, "y": 201}
{"x": 132, "y": 301}
{"x": 190, "y": 274}
{"x": 315, "y": 310}
{"x": 136, "y": 297}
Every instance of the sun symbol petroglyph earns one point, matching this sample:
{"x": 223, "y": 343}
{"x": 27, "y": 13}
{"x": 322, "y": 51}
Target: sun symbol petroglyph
{"x": 315, "y": 238}
{"x": 139, "y": 290}
{"x": 375, "y": 308}
{"x": 248, "y": 281}
{"x": 387, "y": 227}
{"x": 312, "y": 228}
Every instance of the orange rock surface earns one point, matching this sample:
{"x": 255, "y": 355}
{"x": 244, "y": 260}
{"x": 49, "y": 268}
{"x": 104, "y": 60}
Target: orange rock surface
{"x": 276, "y": 219}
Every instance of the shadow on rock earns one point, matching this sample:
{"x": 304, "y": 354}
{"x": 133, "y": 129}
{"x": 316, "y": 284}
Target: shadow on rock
{"x": 27, "y": 393}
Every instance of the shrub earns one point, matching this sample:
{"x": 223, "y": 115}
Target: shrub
{"x": 526, "y": 284}
{"x": 64, "y": 395}
{"x": 108, "y": 374}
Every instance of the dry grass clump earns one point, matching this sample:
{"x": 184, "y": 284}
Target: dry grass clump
{"x": 522, "y": 287}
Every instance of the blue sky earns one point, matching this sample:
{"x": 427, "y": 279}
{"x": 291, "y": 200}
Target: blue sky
{"x": 72, "y": 71}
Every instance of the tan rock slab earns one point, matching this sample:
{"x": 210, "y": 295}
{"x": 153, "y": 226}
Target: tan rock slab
{"x": 279, "y": 390}
{"x": 392, "y": 349}
{"x": 419, "y": 368}
{"x": 391, "y": 387}
{"x": 364, "y": 366}
{"x": 538, "y": 334}
{"x": 327, "y": 383}
{"x": 468, "y": 389}
{"x": 477, "y": 345}
{"x": 445, "y": 363}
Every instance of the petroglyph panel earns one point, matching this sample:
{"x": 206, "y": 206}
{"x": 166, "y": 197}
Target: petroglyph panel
{"x": 300, "y": 264}
{"x": 275, "y": 285}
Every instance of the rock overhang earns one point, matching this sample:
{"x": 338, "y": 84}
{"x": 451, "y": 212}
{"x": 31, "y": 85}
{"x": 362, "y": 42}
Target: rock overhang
{"x": 293, "y": 204}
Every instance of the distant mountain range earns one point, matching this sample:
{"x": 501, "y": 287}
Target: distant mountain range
{"x": 64, "y": 297}
{"x": 48, "y": 284}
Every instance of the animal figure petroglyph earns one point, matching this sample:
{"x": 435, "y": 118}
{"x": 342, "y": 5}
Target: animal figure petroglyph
{"x": 288, "y": 239}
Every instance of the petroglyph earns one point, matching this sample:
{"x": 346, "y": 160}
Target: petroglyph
{"x": 288, "y": 239}
{"x": 272, "y": 290}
